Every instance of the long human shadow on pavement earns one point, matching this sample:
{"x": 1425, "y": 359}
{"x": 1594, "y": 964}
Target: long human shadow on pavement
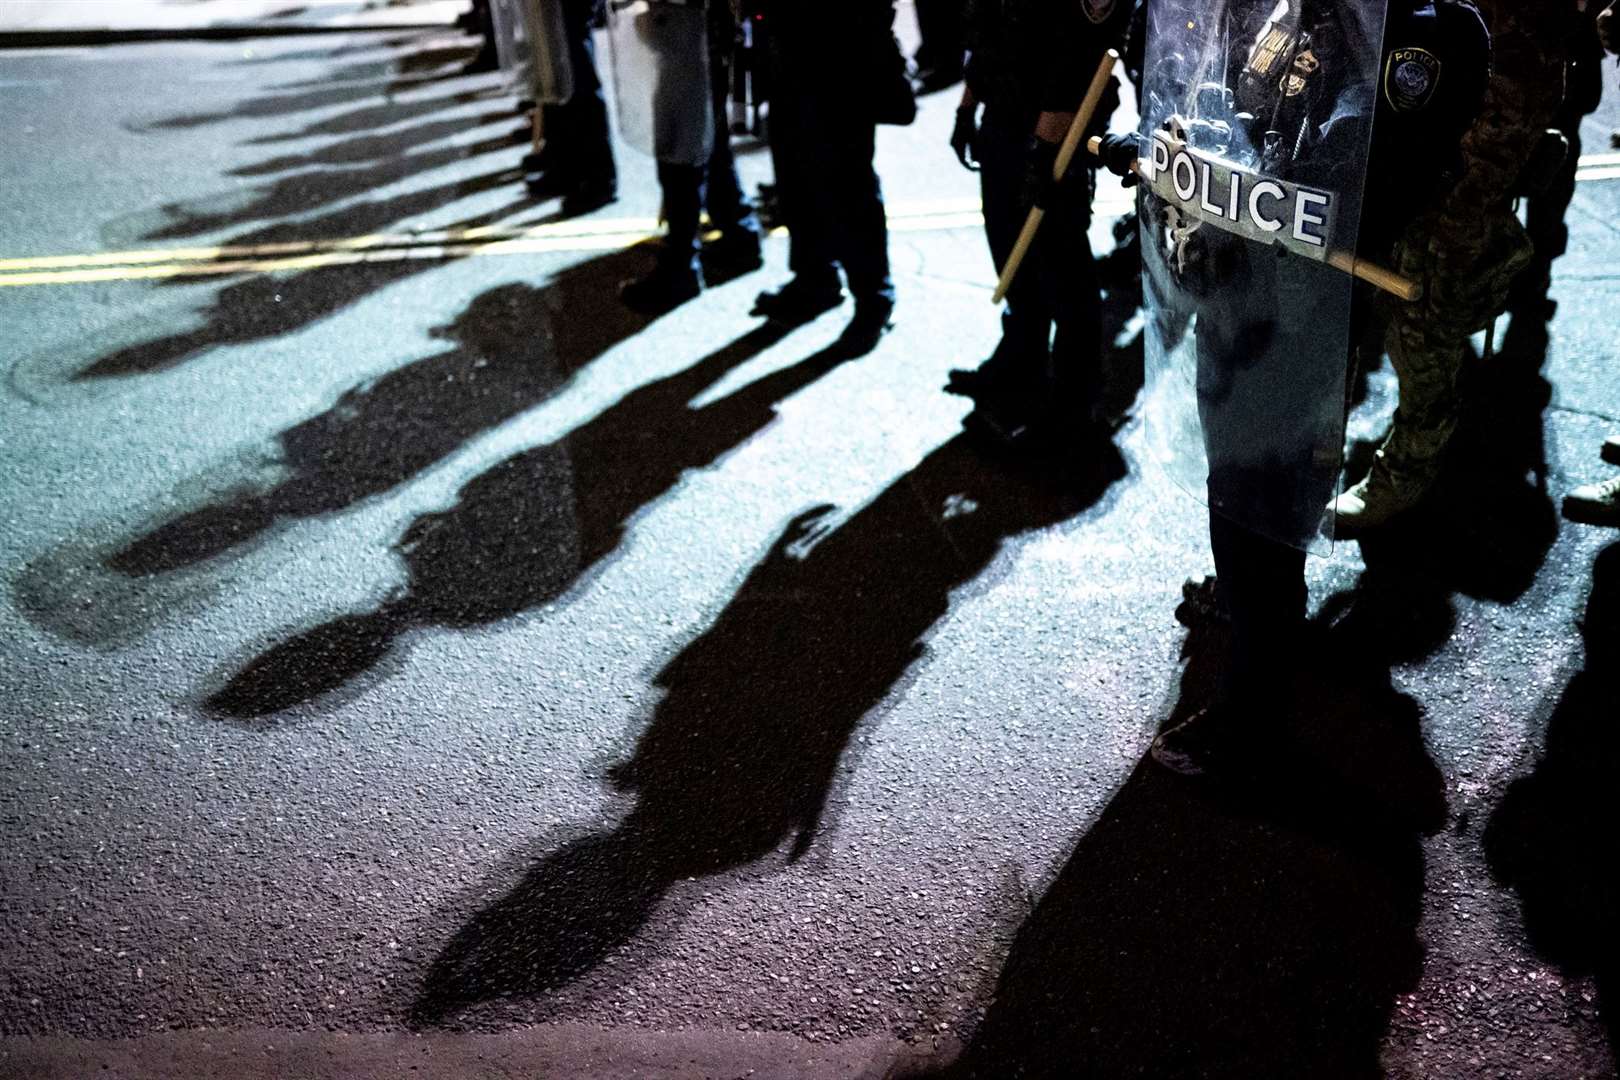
{"x": 512, "y": 350}
{"x": 263, "y": 306}
{"x": 309, "y": 190}
{"x": 1263, "y": 927}
{"x": 742, "y": 754}
{"x": 393, "y": 145}
{"x": 529, "y": 529}
{"x": 1555, "y": 836}
{"x": 257, "y": 307}
{"x": 401, "y": 70}
{"x": 1484, "y": 532}
{"x": 513, "y": 347}
{"x": 284, "y": 102}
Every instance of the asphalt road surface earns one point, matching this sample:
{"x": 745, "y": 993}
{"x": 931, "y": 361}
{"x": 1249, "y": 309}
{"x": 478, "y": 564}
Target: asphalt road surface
{"x": 409, "y": 656}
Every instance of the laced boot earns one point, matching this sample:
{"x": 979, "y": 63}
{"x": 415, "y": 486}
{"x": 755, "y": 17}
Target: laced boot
{"x": 1595, "y": 504}
{"x": 1403, "y": 470}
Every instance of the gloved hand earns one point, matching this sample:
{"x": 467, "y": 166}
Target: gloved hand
{"x": 963, "y": 134}
{"x": 1608, "y": 27}
{"x": 1118, "y": 153}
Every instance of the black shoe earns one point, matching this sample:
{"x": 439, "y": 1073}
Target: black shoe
{"x": 976, "y": 383}
{"x": 589, "y": 195}
{"x": 1220, "y": 742}
{"x": 798, "y": 302}
{"x": 535, "y": 162}
{"x": 1201, "y": 603}
{"x": 549, "y": 183}
{"x": 736, "y": 252}
{"x": 661, "y": 290}
{"x": 873, "y": 319}
{"x": 1203, "y": 744}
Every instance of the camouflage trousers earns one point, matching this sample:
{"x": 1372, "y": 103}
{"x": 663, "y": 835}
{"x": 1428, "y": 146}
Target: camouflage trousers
{"x": 1467, "y": 271}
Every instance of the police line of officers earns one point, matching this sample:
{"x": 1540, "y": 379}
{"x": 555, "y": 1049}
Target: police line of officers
{"x": 1478, "y": 110}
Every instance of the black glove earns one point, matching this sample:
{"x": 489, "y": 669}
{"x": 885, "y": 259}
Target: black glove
{"x": 1119, "y": 153}
{"x": 963, "y": 134}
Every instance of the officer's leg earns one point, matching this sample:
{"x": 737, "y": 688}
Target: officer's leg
{"x": 1262, "y": 469}
{"x": 1002, "y": 150}
{"x": 738, "y": 249}
{"x": 1067, "y": 273}
{"x": 478, "y": 21}
{"x": 850, "y": 207}
{"x": 1427, "y": 344}
{"x": 1262, "y": 582}
{"x": 941, "y": 52}
{"x": 1428, "y": 363}
{"x": 577, "y": 161}
{"x": 850, "y": 204}
{"x": 589, "y": 151}
{"x": 814, "y": 287}
{"x": 675, "y": 277}
{"x": 1262, "y": 587}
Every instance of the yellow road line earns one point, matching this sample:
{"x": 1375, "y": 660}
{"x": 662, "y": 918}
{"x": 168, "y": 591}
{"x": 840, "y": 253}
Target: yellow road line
{"x": 426, "y": 238}
{"x": 162, "y": 264}
{"x": 317, "y": 260}
{"x": 638, "y": 227}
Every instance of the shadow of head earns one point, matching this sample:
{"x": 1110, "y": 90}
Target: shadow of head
{"x": 314, "y": 663}
{"x": 569, "y": 909}
{"x": 1554, "y": 836}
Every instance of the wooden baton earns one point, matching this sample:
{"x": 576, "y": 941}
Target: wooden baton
{"x": 1065, "y": 154}
{"x": 1373, "y": 274}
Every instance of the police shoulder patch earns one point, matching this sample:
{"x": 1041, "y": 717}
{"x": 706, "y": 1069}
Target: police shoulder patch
{"x": 1098, "y": 10}
{"x": 1410, "y": 78}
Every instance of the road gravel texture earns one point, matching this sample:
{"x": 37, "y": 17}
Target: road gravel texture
{"x": 428, "y": 646}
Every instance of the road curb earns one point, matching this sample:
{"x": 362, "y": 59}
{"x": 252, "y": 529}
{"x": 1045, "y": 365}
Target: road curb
{"x": 554, "y": 1051}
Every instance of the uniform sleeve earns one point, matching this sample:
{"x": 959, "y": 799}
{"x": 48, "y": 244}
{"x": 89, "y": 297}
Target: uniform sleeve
{"x": 975, "y": 34}
{"x": 1525, "y": 87}
{"x": 1463, "y": 95}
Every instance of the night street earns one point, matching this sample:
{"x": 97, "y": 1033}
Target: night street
{"x": 414, "y": 660}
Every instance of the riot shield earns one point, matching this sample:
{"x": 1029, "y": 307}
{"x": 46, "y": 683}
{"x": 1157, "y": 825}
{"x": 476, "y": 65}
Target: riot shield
{"x": 1256, "y": 125}
{"x": 660, "y": 64}
{"x": 531, "y": 43}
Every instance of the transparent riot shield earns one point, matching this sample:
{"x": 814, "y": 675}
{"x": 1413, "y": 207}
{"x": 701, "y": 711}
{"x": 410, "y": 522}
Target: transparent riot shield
{"x": 660, "y": 64}
{"x": 1256, "y": 125}
{"x": 531, "y": 43}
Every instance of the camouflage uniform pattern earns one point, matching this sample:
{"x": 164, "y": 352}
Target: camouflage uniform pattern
{"x": 1467, "y": 251}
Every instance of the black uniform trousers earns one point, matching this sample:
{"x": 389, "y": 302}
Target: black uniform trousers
{"x": 823, "y": 139}
{"x": 578, "y": 145}
{"x": 941, "y": 25}
{"x": 1270, "y": 401}
{"x": 1051, "y": 326}
{"x": 690, "y": 189}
